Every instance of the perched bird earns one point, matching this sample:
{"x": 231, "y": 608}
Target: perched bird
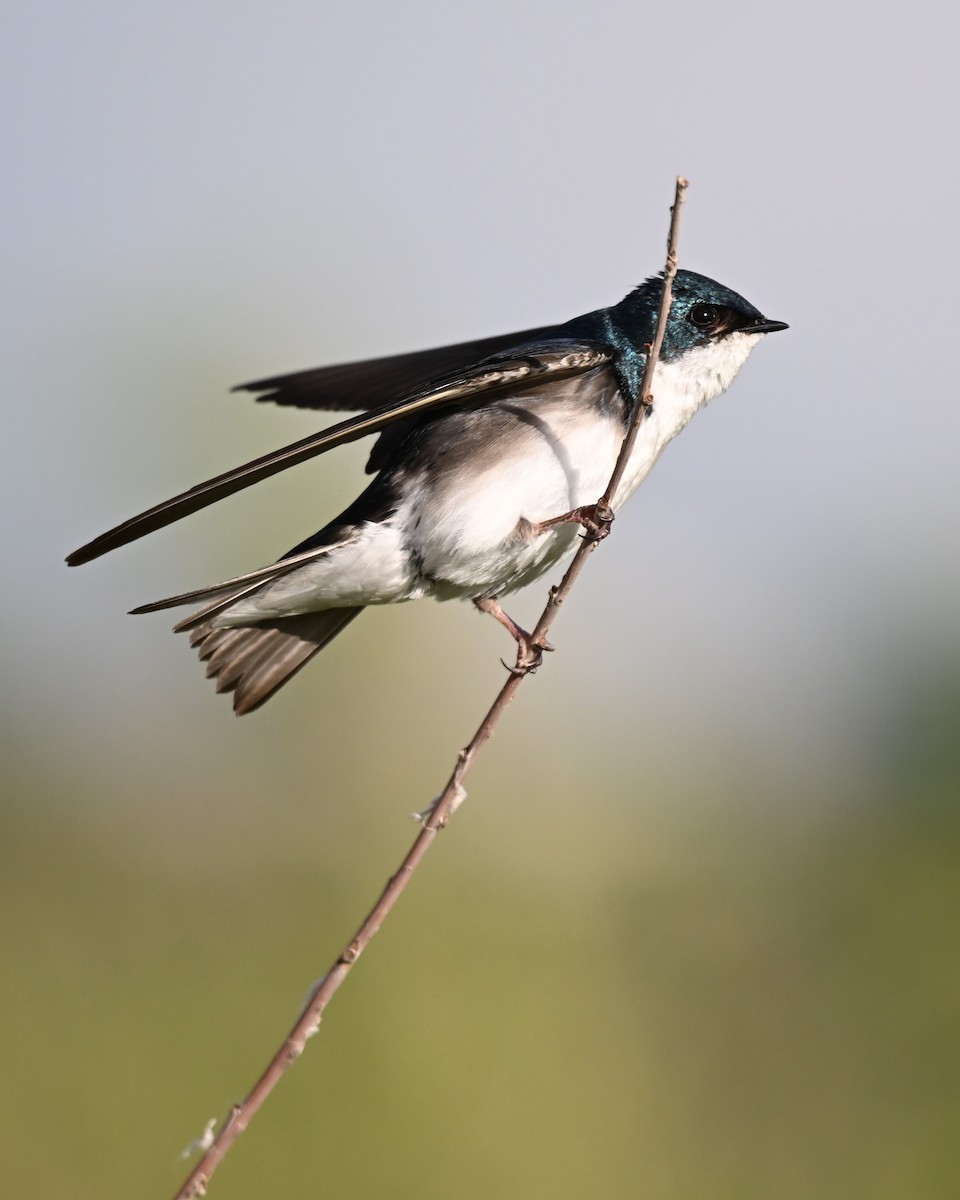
{"x": 490, "y": 455}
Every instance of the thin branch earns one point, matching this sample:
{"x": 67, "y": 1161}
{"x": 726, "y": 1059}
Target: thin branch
{"x": 645, "y": 398}
{"x": 308, "y": 1023}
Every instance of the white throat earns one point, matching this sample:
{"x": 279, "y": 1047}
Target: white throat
{"x": 680, "y": 389}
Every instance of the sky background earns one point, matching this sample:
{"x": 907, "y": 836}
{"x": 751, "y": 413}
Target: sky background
{"x": 760, "y": 667}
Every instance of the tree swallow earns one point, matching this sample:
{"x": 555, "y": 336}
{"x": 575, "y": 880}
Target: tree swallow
{"x": 490, "y": 455}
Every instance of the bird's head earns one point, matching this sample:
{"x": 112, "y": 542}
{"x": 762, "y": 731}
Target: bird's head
{"x": 709, "y": 333}
{"x": 703, "y": 312}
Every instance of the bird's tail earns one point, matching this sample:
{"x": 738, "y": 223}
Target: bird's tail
{"x": 252, "y": 661}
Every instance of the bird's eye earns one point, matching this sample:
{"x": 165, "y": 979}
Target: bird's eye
{"x": 704, "y": 315}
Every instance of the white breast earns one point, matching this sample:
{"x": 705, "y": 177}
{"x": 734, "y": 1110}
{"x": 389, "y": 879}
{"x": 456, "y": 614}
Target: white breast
{"x": 464, "y": 524}
{"x": 680, "y": 389}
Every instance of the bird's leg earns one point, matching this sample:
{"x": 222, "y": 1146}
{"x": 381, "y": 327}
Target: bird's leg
{"x": 529, "y": 652}
{"x": 595, "y": 518}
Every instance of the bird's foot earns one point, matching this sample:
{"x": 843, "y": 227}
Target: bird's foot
{"x": 529, "y": 653}
{"x": 596, "y": 519}
{"x": 530, "y": 650}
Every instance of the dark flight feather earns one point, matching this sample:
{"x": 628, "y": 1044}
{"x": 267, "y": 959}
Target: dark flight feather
{"x": 376, "y": 382}
{"x": 557, "y": 358}
{"x": 240, "y": 585}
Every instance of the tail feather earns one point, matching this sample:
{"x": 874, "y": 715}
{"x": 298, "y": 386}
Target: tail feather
{"x": 219, "y": 648}
{"x": 252, "y": 661}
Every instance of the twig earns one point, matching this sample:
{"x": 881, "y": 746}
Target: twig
{"x": 308, "y": 1023}
{"x": 645, "y": 397}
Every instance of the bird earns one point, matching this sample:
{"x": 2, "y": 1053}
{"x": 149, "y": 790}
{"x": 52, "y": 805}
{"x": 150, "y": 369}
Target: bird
{"x": 491, "y": 455}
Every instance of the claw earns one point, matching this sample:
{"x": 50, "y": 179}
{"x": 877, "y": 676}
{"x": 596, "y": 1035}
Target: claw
{"x": 595, "y": 518}
{"x": 529, "y": 656}
{"x": 529, "y": 652}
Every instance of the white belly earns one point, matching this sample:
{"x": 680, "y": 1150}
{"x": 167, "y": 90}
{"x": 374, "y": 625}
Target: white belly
{"x": 472, "y": 493}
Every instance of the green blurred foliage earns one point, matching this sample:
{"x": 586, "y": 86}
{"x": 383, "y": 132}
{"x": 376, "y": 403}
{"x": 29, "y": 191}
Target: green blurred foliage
{"x": 592, "y": 988}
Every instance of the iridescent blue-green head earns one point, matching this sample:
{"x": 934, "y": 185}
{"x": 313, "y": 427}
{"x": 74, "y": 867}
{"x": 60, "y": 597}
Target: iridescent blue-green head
{"x": 702, "y": 313}
{"x": 709, "y": 333}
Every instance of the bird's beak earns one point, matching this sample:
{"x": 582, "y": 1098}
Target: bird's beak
{"x": 763, "y": 326}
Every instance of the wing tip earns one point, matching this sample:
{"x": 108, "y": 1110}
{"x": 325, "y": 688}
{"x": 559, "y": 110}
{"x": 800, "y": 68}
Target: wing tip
{"x": 76, "y": 558}
{"x": 266, "y": 387}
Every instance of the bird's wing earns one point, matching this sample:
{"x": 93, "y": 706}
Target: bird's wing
{"x": 229, "y": 590}
{"x": 527, "y": 366}
{"x": 375, "y": 382}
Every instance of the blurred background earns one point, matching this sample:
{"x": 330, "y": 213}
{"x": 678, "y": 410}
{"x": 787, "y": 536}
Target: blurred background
{"x": 695, "y": 933}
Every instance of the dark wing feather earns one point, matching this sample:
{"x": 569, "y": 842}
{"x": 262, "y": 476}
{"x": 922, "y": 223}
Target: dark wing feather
{"x": 375, "y": 382}
{"x": 532, "y": 364}
{"x": 225, "y": 593}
